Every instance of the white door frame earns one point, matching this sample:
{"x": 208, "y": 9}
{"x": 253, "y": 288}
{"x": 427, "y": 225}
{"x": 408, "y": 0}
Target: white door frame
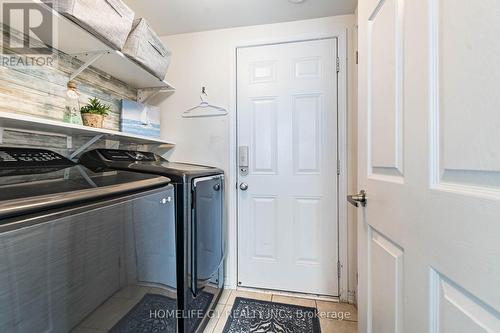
{"x": 232, "y": 179}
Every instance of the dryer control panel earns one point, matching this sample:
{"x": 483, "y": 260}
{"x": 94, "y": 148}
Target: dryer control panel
{"x": 128, "y": 155}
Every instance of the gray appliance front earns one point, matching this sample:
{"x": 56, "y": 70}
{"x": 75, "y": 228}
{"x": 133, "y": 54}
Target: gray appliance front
{"x": 155, "y": 239}
{"x": 63, "y": 265}
{"x": 208, "y": 231}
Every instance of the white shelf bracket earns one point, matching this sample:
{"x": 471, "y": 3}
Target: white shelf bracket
{"x": 69, "y": 142}
{"x": 95, "y": 56}
{"x": 85, "y": 146}
{"x": 144, "y": 95}
{"x": 85, "y": 176}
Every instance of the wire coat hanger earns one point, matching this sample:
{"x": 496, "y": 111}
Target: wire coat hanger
{"x": 203, "y": 108}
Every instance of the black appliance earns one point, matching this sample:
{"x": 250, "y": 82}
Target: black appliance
{"x": 199, "y": 193}
{"x": 64, "y": 238}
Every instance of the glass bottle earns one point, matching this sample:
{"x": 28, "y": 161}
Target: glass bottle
{"x": 72, "y": 106}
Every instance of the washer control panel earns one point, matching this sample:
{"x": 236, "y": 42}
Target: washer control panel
{"x": 29, "y": 157}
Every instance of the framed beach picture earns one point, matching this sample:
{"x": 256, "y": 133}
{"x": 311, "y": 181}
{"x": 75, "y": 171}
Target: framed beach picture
{"x": 140, "y": 119}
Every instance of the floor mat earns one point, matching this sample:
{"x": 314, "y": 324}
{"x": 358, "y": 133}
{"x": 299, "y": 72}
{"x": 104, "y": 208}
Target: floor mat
{"x": 157, "y": 313}
{"x": 201, "y": 302}
{"x": 249, "y": 315}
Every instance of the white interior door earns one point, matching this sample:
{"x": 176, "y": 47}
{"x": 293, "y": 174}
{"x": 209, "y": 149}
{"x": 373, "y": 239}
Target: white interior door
{"x": 430, "y": 162}
{"x": 287, "y": 117}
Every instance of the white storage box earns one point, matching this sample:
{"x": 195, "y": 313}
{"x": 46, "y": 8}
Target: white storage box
{"x": 144, "y": 47}
{"x": 109, "y": 20}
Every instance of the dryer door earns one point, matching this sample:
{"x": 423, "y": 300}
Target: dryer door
{"x": 207, "y": 230}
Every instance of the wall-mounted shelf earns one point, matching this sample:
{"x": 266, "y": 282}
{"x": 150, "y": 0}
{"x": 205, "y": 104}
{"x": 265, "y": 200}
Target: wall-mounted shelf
{"x": 76, "y": 41}
{"x": 122, "y": 68}
{"x": 29, "y": 123}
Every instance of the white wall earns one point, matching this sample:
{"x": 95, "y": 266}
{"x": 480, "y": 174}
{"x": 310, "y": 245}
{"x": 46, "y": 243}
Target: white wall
{"x": 207, "y": 59}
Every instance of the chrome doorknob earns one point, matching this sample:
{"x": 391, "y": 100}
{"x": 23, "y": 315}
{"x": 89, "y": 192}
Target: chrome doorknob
{"x": 358, "y": 199}
{"x": 243, "y": 186}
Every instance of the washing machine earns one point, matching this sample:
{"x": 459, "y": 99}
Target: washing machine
{"x": 72, "y": 240}
{"x": 199, "y": 193}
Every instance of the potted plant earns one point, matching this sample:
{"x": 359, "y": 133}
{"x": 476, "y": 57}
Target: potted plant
{"x": 94, "y": 112}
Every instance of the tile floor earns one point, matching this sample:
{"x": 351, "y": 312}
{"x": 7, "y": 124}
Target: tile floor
{"x": 107, "y": 315}
{"x": 331, "y": 311}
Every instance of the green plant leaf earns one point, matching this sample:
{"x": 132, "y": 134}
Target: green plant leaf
{"x": 94, "y": 106}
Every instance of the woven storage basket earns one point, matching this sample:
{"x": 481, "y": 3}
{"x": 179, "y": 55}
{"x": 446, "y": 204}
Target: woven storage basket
{"x": 108, "y": 20}
{"x": 144, "y": 47}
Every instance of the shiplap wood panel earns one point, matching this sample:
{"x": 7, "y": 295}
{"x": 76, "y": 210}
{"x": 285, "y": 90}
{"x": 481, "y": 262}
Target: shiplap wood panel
{"x": 40, "y": 91}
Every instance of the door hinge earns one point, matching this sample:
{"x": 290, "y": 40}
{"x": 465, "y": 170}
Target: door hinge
{"x": 338, "y": 269}
{"x": 338, "y": 65}
{"x": 338, "y": 167}
{"x": 357, "y": 57}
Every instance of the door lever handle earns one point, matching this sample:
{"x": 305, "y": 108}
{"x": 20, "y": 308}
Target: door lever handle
{"x": 358, "y": 199}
